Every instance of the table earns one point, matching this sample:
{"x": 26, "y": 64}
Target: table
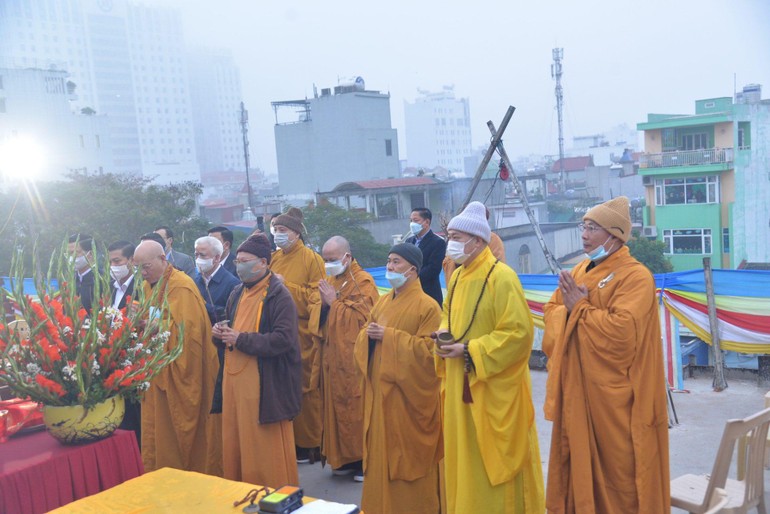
{"x": 37, "y": 473}
{"x": 166, "y": 490}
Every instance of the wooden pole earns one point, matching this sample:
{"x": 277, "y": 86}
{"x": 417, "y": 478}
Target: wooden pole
{"x": 524, "y": 201}
{"x": 719, "y": 383}
{"x": 487, "y": 157}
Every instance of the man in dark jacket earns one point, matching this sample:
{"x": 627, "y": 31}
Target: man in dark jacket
{"x": 225, "y": 236}
{"x": 80, "y": 249}
{"x": 262, "y": 373}
{"x": 433, "y": 250}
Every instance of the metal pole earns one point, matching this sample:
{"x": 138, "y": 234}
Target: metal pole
{"x": 524, "y": 201}
{"x": 556, "y": 73}
{"x": 245, "y": 131}
{"x": 719, "y": 383}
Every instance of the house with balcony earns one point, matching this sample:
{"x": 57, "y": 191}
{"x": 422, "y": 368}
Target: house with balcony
{"x": 707, "y": 181}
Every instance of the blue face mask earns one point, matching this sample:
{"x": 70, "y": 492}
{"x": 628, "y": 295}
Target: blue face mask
{"x": 396, "y": 279}
{"x": 416, "y": 228}
{"x": 600, "y": 252}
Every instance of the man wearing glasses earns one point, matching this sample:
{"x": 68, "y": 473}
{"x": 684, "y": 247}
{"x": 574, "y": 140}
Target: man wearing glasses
{"x": 605, "y": 392}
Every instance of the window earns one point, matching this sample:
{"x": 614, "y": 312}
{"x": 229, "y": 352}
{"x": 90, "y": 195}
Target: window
{"x": 387, "y": 206}
{"x": 694, "y": 141}
{"x": 677, "y": 191}
{"x": 692, "y": 241}
{"x": 744, "y": 135}
{"x": 388, "y": 147}
{"x": 725, "y": 240}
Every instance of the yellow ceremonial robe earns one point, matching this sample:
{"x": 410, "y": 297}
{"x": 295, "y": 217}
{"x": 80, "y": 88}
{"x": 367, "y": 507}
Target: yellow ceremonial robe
{"x": 606, "y": 394}
{"x": 402, "y": 408}
{"x": 343, "y": 408}
{"x": 255, "y": 453}
{"x": 492, "y": 457}
{"x": 178, "y": 430}
{"x": 301, "y": 269}
{"x": 496, "y": 246}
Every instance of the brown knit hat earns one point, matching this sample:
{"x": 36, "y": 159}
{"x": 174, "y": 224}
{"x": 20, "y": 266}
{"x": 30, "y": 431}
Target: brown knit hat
{"x": 258, "y": 245}
{"x": 292, "y": 219}
{"x": 613, "y": 216}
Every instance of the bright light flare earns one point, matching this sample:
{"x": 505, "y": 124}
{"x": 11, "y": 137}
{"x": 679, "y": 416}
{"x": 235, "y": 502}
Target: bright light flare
{"x": 21, "y": 158}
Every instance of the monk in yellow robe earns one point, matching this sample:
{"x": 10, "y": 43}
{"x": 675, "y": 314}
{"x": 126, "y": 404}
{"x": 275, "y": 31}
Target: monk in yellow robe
{"x": 496, "y": 246}
{"x": 178, "y": 430}
{"x": 606, "y": 388}
{"x": 262, "y": 373}
{"x": 300, "y": 269}
{"x": 492, "y": 456}
{"x": 402, "y": 412}
{"x": 337, "y": 312}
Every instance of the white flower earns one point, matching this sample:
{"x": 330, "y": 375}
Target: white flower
{"x": 33, "y": 369}
{"x": 67, "y": 331}
{"x": 143, "y": 386}
{"x": 95, "y": 367}
{"x": 69, "y": 373}
{"x": 101, "y": 337}
{"x": 126, "y": 363}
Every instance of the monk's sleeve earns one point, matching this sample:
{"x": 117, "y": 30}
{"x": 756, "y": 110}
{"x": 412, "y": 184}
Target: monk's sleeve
{"x": 303, "y": 292}
{"x": 554, "y": 318}
{"x": 316, "y": 318}
{"x": 438, "y": 362}
{"x": 510, "y": 342}
{"x": 407, "y": 359}
{"x": 612, "y": 332}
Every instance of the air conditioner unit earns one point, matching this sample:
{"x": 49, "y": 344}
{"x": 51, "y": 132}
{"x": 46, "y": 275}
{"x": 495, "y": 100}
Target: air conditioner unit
{"x": 650, "y": 231}
{"x": 647, "y": 180}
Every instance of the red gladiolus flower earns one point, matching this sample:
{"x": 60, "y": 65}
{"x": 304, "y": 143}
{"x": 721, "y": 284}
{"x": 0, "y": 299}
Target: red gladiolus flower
{"x": 50, "y": 385}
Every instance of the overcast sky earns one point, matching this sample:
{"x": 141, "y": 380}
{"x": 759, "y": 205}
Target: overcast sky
{"x": 622, "y": 59}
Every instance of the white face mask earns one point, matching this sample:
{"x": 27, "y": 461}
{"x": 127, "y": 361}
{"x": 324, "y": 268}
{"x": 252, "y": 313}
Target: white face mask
{"x": 282, "y": 240}
{"x": 204, "y": 265}
{"x": 396, "y": 279}
{"x": 119, "y": 272}
{"x": 455, "y": 250}
{"x": 415, "y": 228}
{"x": 80, "y": 262}
{"x": 335, "y": 268}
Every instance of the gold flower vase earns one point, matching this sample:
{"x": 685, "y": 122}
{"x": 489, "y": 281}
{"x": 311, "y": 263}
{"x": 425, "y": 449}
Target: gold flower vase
{"x": 74, "y": 424}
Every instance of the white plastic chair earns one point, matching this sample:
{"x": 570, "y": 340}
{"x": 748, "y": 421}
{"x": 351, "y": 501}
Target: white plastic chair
{"x": 694, "y": 493}
{"x": 718, "y": 500}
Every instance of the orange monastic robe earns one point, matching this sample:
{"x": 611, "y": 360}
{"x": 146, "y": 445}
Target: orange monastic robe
{"x": 402, "y": 414}
{"x": 301, "y": 269}
{"x": 254, "y": 453}
{"x": 606, "y": 394}
{"x": 496, "y": 246}
{"x": 343, "y": 408}
{"x": 177, "y": 429}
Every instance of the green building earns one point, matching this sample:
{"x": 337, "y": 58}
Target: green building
{"x": 707, "y": 181}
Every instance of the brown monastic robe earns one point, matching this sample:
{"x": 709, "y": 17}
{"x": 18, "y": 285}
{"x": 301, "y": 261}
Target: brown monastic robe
{"x": 301, "y": 269}
{"x": 403, "y": 441}
{"x": 343, "y": 409}
{"x": 606, "y": 394}
{"x": 177, "y": 429}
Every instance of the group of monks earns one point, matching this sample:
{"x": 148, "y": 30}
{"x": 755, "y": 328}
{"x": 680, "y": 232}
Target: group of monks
{"x": 431, "y": 403}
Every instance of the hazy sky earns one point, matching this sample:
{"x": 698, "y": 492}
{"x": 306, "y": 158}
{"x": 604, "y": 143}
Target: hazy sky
{"x": 622, "y": 59}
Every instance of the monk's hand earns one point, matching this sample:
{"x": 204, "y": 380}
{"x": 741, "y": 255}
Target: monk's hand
{"x": 228, "y": 336}
{"x": 571, "y": 292}
{"x": 327, "y": 292}
{"x": 375, "y": 331}
{"x": 452, "y": 351}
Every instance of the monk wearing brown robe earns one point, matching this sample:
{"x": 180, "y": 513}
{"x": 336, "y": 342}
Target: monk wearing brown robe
{"x": 262, "y": 373}
{"x": 177, "y": 429}
{"x": 338, "y": 311}
{"x": 403, "y": 441}
{"x": 606, "y": 389}
{"x": 300, "y": 269}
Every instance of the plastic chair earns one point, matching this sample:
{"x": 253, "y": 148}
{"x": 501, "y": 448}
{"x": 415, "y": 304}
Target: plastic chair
{"x": 718, "y": 501}
{"x": 694, "y": 493}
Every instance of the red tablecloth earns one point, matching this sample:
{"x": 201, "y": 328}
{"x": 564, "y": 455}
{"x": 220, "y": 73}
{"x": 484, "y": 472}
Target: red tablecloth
{"x": 38, "y": 474}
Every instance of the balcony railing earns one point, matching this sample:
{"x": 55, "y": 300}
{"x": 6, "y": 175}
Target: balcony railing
{"x": 687, "y": 158}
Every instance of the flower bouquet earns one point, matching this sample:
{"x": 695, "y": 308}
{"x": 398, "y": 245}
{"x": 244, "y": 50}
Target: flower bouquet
{"x": 71, "y": 359}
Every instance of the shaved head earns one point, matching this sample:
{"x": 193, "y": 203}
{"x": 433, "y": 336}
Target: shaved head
{"x": 335, "y": 249}
{"x": 150, "y": 258}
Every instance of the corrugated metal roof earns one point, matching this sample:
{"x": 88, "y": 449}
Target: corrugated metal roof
{"x": 385, "y": 183}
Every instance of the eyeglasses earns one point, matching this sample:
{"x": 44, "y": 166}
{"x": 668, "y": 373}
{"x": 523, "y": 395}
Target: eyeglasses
{"x": 590, "y": 228}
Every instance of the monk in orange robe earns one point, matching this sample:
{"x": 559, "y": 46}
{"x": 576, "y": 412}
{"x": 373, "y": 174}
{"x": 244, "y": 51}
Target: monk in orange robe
{"x": 337, "y": 312}
{"x": 606, "y": 388}
{"x": 300, "y": 269}
{"x": 403, "y": 441}
{"x": 178, "y": 430}
{"x": 263, "y": 369}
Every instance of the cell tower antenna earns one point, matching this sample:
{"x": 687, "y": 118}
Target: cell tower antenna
{"x": 556, "y": 73}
